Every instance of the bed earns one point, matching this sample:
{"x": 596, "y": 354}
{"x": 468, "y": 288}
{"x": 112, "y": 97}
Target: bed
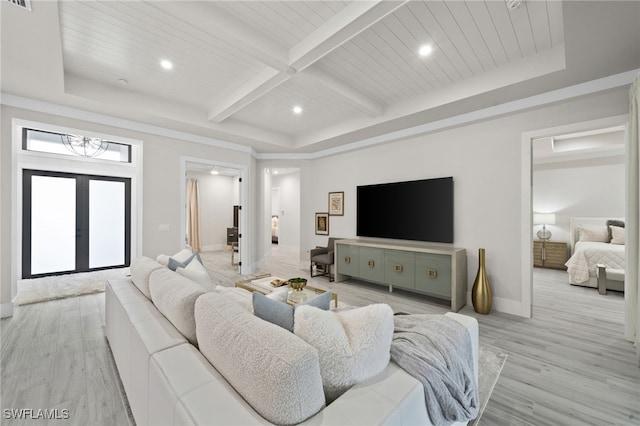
{"x": 597, "y": 246}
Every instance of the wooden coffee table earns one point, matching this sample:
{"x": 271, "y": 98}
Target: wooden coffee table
{"x": 262, "y": 284}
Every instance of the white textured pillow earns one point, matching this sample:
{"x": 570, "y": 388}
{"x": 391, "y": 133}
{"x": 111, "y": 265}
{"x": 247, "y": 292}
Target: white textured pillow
{"x": 238, "y": 295}
{"x": 598, "y": 234}
{"x": 141, "y": 268}
{"x": 353, "y": 345}
{"x": 617, "y": 235}
{"x": 196, "y": 272}
{"x": 180, "y": 256}
{"x": 175, "y": 296}
{"x": 274, "y": 371}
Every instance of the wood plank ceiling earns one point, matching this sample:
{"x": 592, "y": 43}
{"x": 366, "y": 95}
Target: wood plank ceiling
{"x": 247, "y": 63}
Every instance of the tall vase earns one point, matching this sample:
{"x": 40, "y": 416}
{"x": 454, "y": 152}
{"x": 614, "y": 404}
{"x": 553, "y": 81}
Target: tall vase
{"x": 481, "y": 291}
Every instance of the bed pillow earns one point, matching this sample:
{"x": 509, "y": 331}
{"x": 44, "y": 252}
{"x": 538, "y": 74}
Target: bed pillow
{"x": 353, "y": 345}
{"x": 613, "y": 222}
{"x": 617, "y": 235}
{"x": 598, "y": 234}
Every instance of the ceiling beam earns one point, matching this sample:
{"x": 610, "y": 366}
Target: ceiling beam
{"x": 363, "y": 102}
{"x": 253, "y": 89}
{"x": 342, "y": 27}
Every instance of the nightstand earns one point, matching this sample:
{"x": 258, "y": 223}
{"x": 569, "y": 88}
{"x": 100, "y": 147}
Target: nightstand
{"x": 550, "y": 254}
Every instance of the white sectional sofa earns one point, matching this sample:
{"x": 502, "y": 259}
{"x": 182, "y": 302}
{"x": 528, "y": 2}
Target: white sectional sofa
{"x": 168, "y": 381}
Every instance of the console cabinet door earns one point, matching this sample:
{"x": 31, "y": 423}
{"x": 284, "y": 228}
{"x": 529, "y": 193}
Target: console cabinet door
{"x": 347, "y": 259}
{"x": 371, "y": 264}
{"x": 433, "y": 274}
{"x": 400, "y": 268}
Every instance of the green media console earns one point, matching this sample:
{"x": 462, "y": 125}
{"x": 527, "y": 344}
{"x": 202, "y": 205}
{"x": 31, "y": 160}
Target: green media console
{"x": 432, "y": 270}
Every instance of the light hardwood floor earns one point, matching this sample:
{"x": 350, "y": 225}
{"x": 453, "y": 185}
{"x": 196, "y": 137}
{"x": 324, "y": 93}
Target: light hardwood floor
{"x": 568, "y": 365}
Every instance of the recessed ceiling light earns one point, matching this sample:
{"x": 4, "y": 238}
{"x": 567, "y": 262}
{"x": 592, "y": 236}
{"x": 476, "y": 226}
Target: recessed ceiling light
{"x": 167, "y": 65}
{"x": 123, "y": 82}
{"x": 297, "y": 109}
{"x": 275, "y": 172}
{"x": 425, "y": 50}
{"x": 215, "y": 171}
{"x": 513, "y": 4}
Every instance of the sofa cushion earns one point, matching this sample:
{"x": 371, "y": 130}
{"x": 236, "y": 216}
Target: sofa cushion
{"x": 197, "y": 273}
{"x": 238, "y": 295}
{"x": 175, "y": 296}
{"x": 141, "y": 269}
{"x": 353, "y": 345}
{"x": 277, "y": 373}
{"x": 282, "y": 314}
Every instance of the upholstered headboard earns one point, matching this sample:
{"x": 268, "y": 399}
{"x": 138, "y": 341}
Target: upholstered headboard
{"x": 576, "y": 222}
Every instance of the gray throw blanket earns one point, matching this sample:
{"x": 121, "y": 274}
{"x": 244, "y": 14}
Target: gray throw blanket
{"x": 437, "y": 351}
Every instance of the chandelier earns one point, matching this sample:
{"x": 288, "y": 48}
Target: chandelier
{"x": 85, "y": 146}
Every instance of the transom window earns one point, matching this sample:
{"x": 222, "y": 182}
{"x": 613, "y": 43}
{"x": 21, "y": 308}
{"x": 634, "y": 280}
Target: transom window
{"x": 75, "y": 145}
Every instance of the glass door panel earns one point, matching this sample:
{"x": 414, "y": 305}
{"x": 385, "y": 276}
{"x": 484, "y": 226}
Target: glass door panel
{"x": 53, "y": 224}
{"x": 106, "y": 223}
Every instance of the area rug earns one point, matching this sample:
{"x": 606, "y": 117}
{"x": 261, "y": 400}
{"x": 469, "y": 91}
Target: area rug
{"x": 43, "y": 289}
{"x": 490, "y": 364}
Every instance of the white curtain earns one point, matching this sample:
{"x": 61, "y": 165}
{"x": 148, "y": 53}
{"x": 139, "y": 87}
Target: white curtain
{"x": 193, "y": 215}
{"x": 632, "y": 287}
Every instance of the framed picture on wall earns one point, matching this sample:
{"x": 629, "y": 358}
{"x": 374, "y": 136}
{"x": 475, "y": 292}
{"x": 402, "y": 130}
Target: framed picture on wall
{"x": 322, "y": 223}
{"x": 336, "y": 204}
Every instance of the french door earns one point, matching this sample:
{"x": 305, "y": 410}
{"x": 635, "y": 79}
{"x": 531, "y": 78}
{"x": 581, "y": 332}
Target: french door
{"x": 74, "y": 223}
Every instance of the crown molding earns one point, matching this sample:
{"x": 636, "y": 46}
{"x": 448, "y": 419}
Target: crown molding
{"x": 567, "y": 93}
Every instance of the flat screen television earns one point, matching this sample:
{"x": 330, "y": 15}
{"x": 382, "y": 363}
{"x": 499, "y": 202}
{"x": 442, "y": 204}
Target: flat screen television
{"x": 420, "y": 210}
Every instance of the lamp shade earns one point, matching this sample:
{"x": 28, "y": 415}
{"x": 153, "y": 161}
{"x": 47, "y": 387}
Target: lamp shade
{"x": 544, "y": 218}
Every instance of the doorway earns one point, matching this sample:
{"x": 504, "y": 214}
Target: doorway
{"x": 74, "y": 223}
{"x": 221, "y": 218}
{"x": 590, "y": 155}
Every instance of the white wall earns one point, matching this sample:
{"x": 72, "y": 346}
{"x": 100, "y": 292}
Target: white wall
{"x": 484, "y": 159}
{"x": 588, "y": 188}
{"x": 288, "y": 208}
{"x": 161, "y": 186}
{"x": 216, "y": 203}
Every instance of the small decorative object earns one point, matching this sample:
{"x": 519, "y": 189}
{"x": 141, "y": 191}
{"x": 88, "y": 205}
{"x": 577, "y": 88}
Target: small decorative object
{"x": 544, "y": 219}
{"x": 336, "y": 204}
{"x": 297, "y": 283}
{"x": 481, "y": 291}
{"x": 322, "y": 223}
{"x": 278, "y": 283}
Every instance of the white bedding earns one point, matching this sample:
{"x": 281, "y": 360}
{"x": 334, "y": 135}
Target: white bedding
{"x": 588, "y": 254}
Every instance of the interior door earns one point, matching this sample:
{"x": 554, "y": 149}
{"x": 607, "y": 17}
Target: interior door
{"x": 74, "y": 223}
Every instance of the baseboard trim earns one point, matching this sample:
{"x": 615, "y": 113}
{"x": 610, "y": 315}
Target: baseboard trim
{"x": 6, "y": 310}
{"x": 508, "y": 306}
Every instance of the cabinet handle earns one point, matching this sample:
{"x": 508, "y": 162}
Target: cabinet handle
{"x": 347, "y": 259}
{"x": 398, "y": 267}
{"x": 371, "y": 264}
{"x": 432, "y": 273}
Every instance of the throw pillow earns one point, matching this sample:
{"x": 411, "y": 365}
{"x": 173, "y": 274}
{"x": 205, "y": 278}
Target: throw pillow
{"x": 598, "y": 234}
{"x": 613, "y": 222}
{"x": 282, "y": 314}
{"x": 617, "y": 235}
{"x": 238, "y": 295}
{"x": 279, "y": 294}
{"x": 180, "y": 256}
{"x": 195, "y": 271}
{"x": 274, "y": 371}
{"x": 353, "y": 345}
{"x": 174, "y": 264}
{"x": 141, "y": 269}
